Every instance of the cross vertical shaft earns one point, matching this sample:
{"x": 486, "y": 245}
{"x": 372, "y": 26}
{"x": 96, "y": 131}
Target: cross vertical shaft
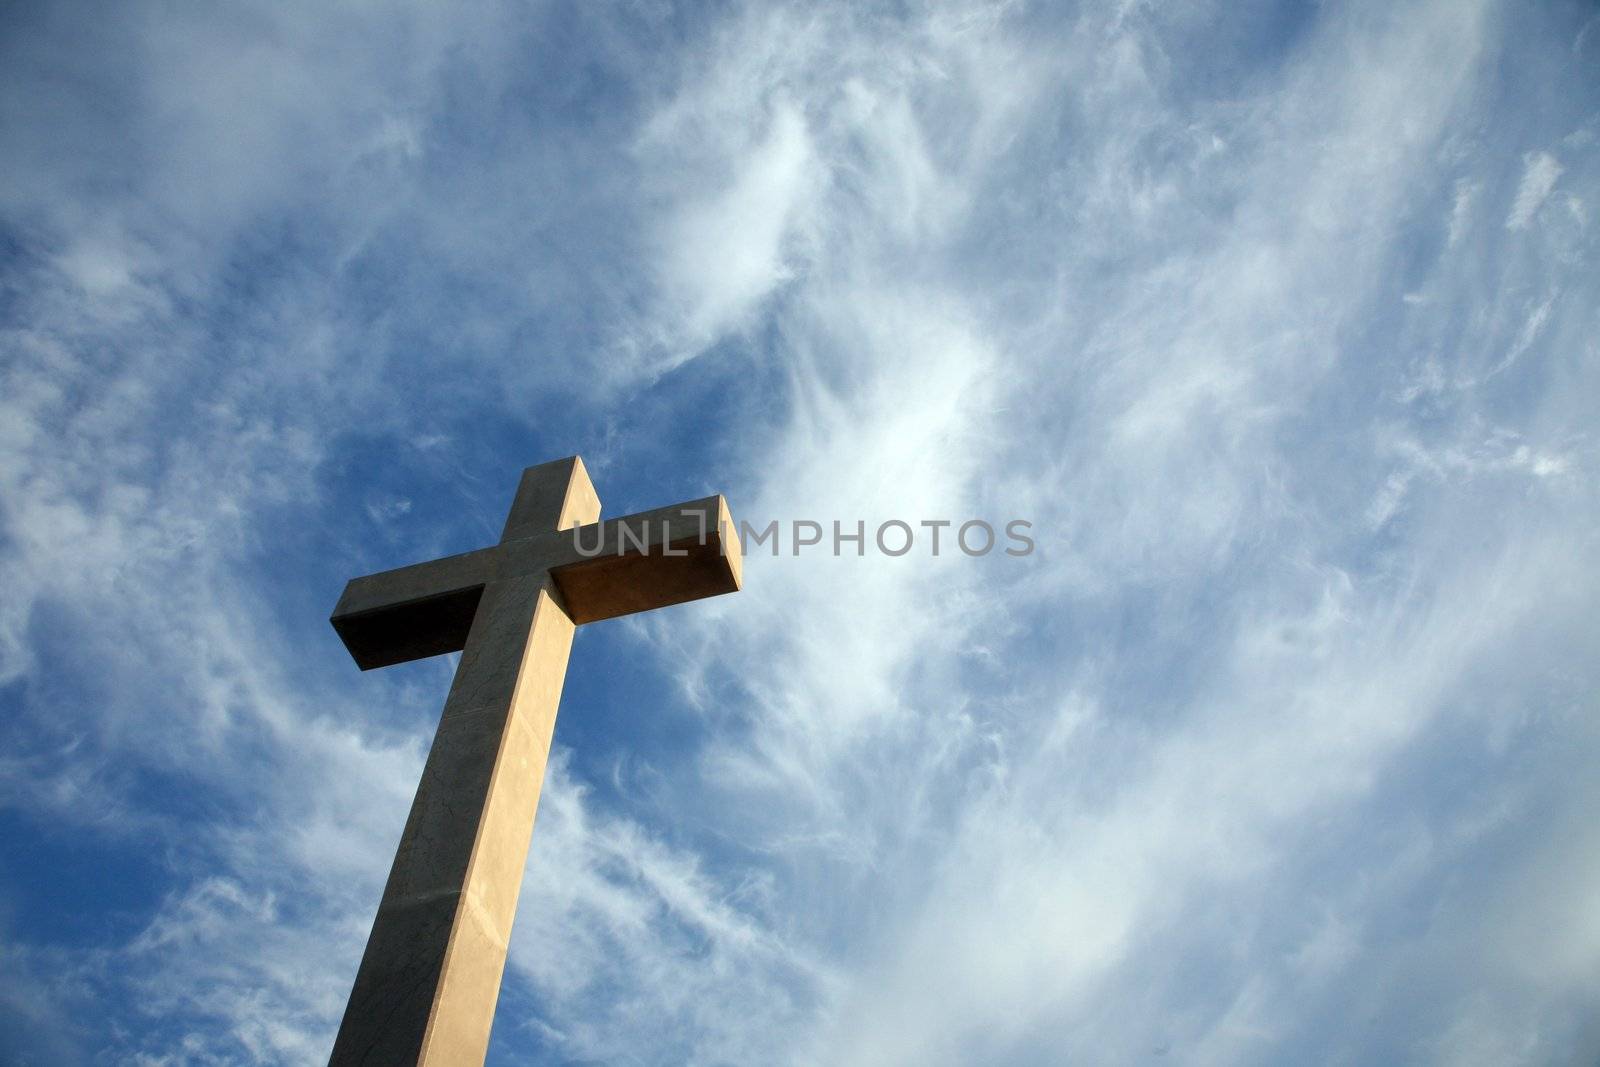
{"x": 428, "y": 982}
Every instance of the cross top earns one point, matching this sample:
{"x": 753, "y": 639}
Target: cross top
{"x": 426, "y": 989}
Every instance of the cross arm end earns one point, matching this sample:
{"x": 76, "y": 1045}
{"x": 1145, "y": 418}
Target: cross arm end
{"x": 412, "y": 612}
{"x": 652, "y": 560}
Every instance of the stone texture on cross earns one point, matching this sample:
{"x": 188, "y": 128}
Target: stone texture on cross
{"x": 430, "y": 977}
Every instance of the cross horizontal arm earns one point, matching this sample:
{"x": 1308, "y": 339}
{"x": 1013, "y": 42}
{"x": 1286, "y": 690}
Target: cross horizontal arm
{"x": 652, "y": 559}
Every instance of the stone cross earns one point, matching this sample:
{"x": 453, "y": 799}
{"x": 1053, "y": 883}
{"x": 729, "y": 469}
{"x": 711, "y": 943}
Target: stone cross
{"x": 428, "y": 982}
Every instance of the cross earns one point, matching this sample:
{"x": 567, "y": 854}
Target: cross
{"x": 426, "y": 989}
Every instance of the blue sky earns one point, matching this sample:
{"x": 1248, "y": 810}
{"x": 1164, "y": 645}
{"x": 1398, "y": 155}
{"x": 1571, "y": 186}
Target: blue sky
{"x": 1278, "y": 322}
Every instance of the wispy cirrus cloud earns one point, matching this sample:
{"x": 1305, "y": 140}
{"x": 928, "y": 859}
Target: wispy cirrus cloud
{"x": 1539, "y": 176}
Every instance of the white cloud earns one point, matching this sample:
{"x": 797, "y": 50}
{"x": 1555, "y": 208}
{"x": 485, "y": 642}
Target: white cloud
{"x": 1461, "y": 211}
{"x": 725, "y": 253}
{"x": 1540, "y": 170}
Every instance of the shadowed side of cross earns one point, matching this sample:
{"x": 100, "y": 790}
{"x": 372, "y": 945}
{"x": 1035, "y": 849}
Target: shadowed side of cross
{"x": 428, "y": 982}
